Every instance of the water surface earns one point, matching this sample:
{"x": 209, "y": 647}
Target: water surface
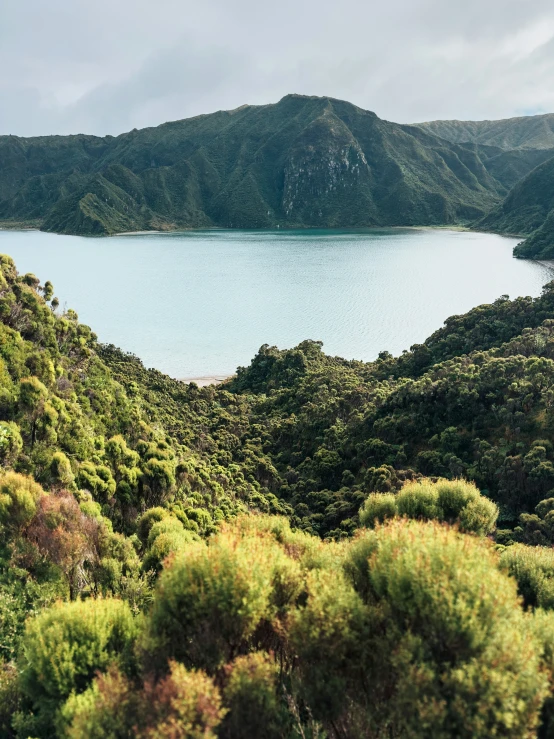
{"x": 202, "y": 302}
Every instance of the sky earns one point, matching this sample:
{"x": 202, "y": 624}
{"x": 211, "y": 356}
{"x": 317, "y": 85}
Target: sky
{"x": 107, "y": 66}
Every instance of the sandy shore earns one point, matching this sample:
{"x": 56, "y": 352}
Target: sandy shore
{"x": 205, "y": 380}
{"x": 547, "y": 262}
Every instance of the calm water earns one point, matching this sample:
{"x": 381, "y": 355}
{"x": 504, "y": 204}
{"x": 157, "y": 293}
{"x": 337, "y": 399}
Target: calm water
{"x": 202, "y": 303}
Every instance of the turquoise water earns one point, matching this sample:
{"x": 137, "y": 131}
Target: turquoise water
{"x": 203, "y": 302}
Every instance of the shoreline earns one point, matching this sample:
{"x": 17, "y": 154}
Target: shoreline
{"x": 35, "y": 226}
{"x": 205, "y": 380}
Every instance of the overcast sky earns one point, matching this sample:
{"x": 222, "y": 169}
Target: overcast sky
{"x": 106, "y": 66}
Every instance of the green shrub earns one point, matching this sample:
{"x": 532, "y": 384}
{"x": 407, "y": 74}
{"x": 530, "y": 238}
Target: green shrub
{"x": 19, "y": 496}
{"x": 542, "y": 623}
{"x": 377, "y": 508}
{"x": 211, "y": 599}
{"x": 63, "y": 648}
{"x": 424, "y": 638}
{"x": 183, "y": 705}
{"x": 10, "y": 698}
{"x": 452, "y": 501}
{"x": 533, "y": 569}
{"x": 254, "y": 700}
{"x": 166, "y": 537}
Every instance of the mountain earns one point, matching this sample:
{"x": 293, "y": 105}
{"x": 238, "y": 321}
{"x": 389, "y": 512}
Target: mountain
{"x": 526, "y": 132}
{"x": 304, "y": 161}
{"x": 528, "y": 210}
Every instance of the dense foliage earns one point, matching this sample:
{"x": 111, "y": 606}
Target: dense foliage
{"x": 307, "y": 550}
{"x": 305, "y": 161}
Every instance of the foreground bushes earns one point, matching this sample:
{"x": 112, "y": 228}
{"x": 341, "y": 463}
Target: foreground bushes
{"x": 410, "y": 629}
{"x": 411, "y": 640}
{"x": 64, "y": 647}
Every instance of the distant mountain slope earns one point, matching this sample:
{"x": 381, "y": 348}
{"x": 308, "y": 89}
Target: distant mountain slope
{"x": 528, "y": 209}
{"x": 526, "y": 132}
{"x": 305, "y": 161}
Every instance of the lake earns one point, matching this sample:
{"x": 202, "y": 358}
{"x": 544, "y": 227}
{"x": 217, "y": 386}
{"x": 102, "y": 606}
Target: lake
{"x": 201, "y": 303}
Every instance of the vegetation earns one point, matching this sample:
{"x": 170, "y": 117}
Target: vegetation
{"x": 519, "y": 153}
{"x": 305, "y": 161}
{"x": 316, "y": 548}
{"x": 531, "y": 132}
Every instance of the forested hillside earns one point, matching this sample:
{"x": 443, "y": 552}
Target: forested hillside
{"x": 528, "y": 210}
{"x": 201, "y": 562}
{"x": 305, "y": 161}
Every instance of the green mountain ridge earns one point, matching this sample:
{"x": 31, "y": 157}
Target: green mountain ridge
{"x": 304, "y": 161}
{"x": 520, "y": 148}
{"x": 523, "y": 132}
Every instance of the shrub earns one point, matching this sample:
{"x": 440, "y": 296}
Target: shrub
{"x": 19, "y": 496}
{"x": 252, "y": 696}
{"x": 377, "y": 508}
{"x": 11, "y": 442}
{"x": 533, "y": 569}
{"x": 183, "y": 705}
{"x": 452, "y": 501}
{"x": 63, "y": 648}
{"x": 542, "y": 623}
{"x": 423, "y": 638}
{"x": 211, "y": 599}
{"x": 10, "y": 697}
{"x": 166, "y": 537}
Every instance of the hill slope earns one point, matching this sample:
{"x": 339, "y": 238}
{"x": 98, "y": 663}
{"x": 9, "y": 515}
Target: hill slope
{"x": 525, "y": 132}
{"x": 304, "y": 161}
{"x": 528, "y": 209}
{"x": 126, "y": 492}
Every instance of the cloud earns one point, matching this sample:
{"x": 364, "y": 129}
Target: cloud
{"x": 106, "y": 67}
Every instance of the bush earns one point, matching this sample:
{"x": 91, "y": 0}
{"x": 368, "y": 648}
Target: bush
{"x": 166, "y": 537}
{"x": 19, "y": 496}
{"x": 533, "y": 569}
{"x": 542, "y": 623}
{"x": 377, "y": 508}
{"x": 252, "y": 696}
{"x": 211, "y": 599}
{"x": 183, "y": 705}
{"x": 11, "y": 443}
{"x": 63, "y": 648}
{"x": 423, "y": 638}
{"x": 452, "y": 501}
{"x": 10, "y": 697}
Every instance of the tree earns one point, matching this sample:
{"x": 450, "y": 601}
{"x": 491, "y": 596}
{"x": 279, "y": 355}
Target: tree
{"x": 66, "y": 536}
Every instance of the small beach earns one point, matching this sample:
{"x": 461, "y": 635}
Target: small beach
{"x": 205, "y": 380}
